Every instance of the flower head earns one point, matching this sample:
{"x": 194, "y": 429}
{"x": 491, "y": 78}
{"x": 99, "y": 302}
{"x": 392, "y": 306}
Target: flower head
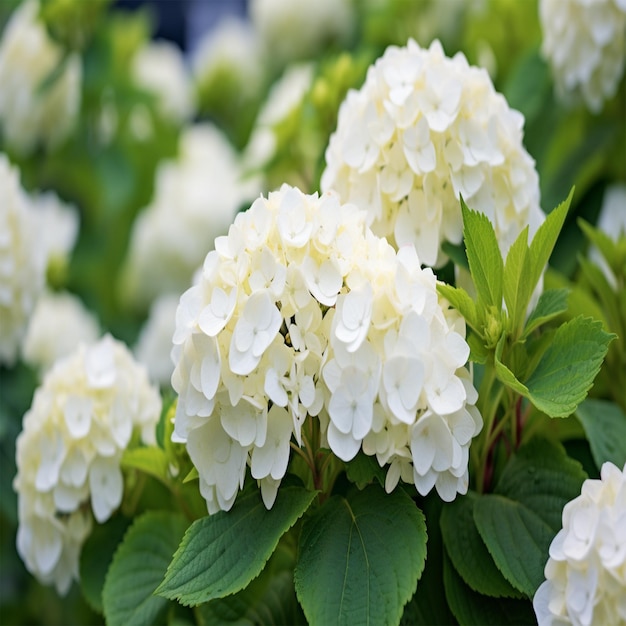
{"x": 31, "y": 112}
{"x": 586, "y": 572}
{"x": 585, "y": 44}
{"x": 301, "y": 313}
{"x": 23, "y": 258}
{"x": 89, "y": 407}
{"x": 423, "y": 130}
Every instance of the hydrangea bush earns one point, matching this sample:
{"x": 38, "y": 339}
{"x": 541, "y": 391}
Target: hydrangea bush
{"x": 379, "y": 332}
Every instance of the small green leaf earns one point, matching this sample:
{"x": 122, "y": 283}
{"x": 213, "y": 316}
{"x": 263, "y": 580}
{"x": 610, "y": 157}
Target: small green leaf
{"x": 552, "y": 302}
{"x": 568, "y": 366}
{"x": 363, "y": 470}
{"x": 138, "y": 567}
{"x": 605, "y": 426}
{"x": 504, "y": 374}
{"x": 517, "y": 288}
{"x": 360, "y": 558}
{"x": 470, "y": 607}
{"x": 483, "y": 255}
{"x": 220, "y": 554}
{"x": 468, "y": 553}
{"x": 519, "y": 520}
{"x": 96, "y": 556}
{"x": 461, "y": 301}
{"x": 606, "y": 245}
{"x": 152, "y": 461}
{"x": 544, "y": 240}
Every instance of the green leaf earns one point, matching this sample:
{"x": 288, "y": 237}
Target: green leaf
{"x": 470, "y": 607}
{"x": 483, "y": 255}
{"x": 138, "y": 567}
{"x": 467, "y": 551}
{"x": 360, "y": 558}
{"x": 428, "y": 606}
{"x": 517, "y": 538}
{"x": 461, "y": 301}
{"x": 544, "y": 240}
{"x": 605, "y": 426}
{"x": 363, "y": 470}
{"x": 269, "y": 599}
{"x": 568, "y": 366}
{"x": 552, "y": 302}
{"x": 504, "y": 374}
{"x": 220, "y": 554}
{"x": 517, "y": 288}
{"x": 151, "y": 460}
{"x": 519, "y": 520}
{"x": 96, "y": 556}
{"x": 606, "y": 246}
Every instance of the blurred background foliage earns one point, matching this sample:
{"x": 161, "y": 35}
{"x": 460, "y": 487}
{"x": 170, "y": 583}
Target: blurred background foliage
{"x": 106, "y": 168}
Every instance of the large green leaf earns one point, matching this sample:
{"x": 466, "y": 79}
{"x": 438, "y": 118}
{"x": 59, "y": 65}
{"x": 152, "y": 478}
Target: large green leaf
{"x": 519, "y": 520}
{"x": 470, "y": 607}
{"x": 220, "y": 554}
{"x": 364, "y": 470}
{"x": 467, "y": 551}
{"x": 270, "y": 599}
{"x": 605, "y": 426}
{"x": 483, "y": 255}
{"x": 138, "y": 567}
{"x": 96, "y": 556}
{"x": 360, "y": 558}
{"x": 567, "y": 368}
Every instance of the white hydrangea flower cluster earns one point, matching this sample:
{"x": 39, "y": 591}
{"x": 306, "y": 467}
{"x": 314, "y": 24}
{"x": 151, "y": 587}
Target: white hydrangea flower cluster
{"x": 584, "y": 41}
{"x": 28, "y": 56}
{"x": 170, "y": 237}
{"x": 159, "y": 67}
{"x": 300, "y": 311}
{"x": 22, "y": 261}
{"x": 83, "y": 416}
{"x": 58, "y": 324}
{"x": 422, "y": 130}
{"x": 292, "y": 30}
{"x": 586, "y": 572}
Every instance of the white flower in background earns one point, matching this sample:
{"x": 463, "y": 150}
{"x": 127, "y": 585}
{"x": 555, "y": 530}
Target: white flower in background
{"x": 30, "y": 114}
{"x": 302, "y": 309}
{"x": 586, "y": 572}
{"x": 233, "y": 47}
{"x": 299, "y": 29}
{"x": 423, "y": 130}
{"x": 154, "y": 344}
{"x": 22, "y": 261}
{"x": 612, "y": 222}
{"x": 196, "y": 198}
{"x": 284, "y": 97}
{"x": 68, "y": 454}
{"x": 159, "y": 67}
{"x": 584, "y": 41}
{"x": 57, "y": 325}
{"x": 59, "y": 224}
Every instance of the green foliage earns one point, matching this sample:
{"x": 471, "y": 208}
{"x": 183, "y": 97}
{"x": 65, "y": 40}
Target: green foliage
{"x": 519, "y": 520}
{"x": 222, "y": 553}
{"x": 605, "y": 426}
{"x": 138, "y": 567}
{"x": 364, "y": 555}
{"x": 96, "y": 557}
